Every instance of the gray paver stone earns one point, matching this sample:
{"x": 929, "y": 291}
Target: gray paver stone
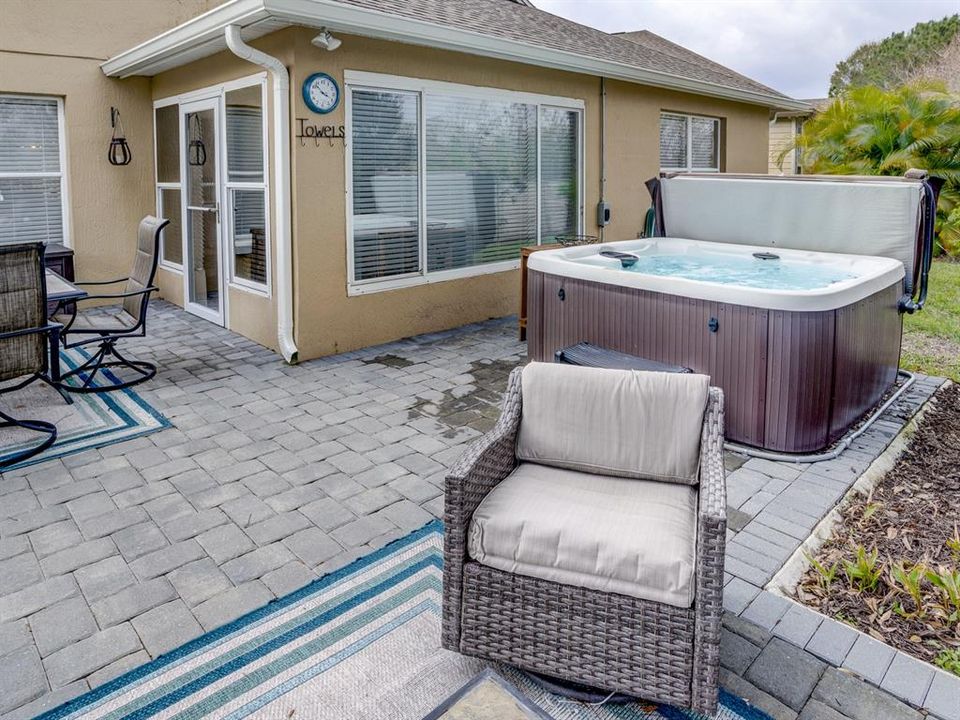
{"x": 192, "y": 524}
{"x": 19, "y": 572}
{"x": 47, "y": 701}
{"x": 798, "y": 625}
{"x": 198, "y": 581}
{"x": 313, "y": 546}
{"x": 943, "y": 698}
{"x": 369, "y": 501}
{"x": 406, "y": 515}
{"x": 327, "y": 514}
{"x": 832, "y": 641}
{"x": 786, "y": 672}
{"x": 33, "y": 520}
{"x": 110, "y": 522}
{"x": 225, "y": 543}
{"x": 75, "y": 557}
{"x": 869, "y": 658}
{"x": 277, "y": 527}
{"x": 60, "y": 625}
{"x": 292, "y": 576}
{"x": 736, "y": 652}
{"x": 231, "y": 604}
{"x": 36, "y": 597}
{"x": 735, "y": 684}
{"x": 134, "y": 600}
{"x": 52, "y": 538}
{"x": 816, "y": 710}
{"x": 738, "y": 594}
{"x": 118, "y": 668}
{"x": 13, "y": 546}
{"x": 138, "y": 540}
{"x": 859, "y": 700}
{"x": 361, "y": 531}
{"x": 13, "y": 636}
{"x": 248, "y": 510}
{"x": 162, "y": 561}
{"x": 80, "y": 659}
{"x": 257, "y": 563}
{"x": 908, "y": 679}
{"x": 103, "y": 578}
{"x": 766, "y": 610}
{"x": 165, "y": 627}
{"x": 90, "y": 506}
{"x": 21, "y": 678}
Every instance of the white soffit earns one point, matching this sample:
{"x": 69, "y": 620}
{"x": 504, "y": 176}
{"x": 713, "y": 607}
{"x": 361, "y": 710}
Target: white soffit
{"x": 204, "y": 35}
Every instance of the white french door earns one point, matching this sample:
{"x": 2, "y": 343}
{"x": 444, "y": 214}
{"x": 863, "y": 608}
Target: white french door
{"x": 204, "y": 276}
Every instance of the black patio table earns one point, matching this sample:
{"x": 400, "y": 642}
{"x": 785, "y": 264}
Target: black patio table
{"x": 59, "y": 290}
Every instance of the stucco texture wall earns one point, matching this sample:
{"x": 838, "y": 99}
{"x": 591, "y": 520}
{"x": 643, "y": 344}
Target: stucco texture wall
{"x": 55, "y": 48}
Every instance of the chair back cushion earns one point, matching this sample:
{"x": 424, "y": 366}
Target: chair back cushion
{"x": 23, "y": 305}
{"x": 624, "y": 423}
{"x": 144, "y": 263}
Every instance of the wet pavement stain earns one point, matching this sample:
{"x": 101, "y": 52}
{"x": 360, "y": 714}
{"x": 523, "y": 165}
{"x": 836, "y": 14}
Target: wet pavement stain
{"x": 390, "y": 360}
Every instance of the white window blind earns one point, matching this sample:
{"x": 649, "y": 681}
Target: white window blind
{"x": 31, "y": 178}
{"x": 559, "y": 172}
{"x": 689, "y": 143}
{"x": 386, "y": 185}
{"x": 481, "y": 181}
{"x": 444, "y": 182}
{"x": 167, "y": 150}
{"x": 246, "y": 185}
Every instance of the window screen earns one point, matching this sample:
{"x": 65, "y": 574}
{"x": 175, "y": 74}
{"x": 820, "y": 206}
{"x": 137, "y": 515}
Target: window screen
{"x": 481, "y": 181}
{"x": 673, "y": 141}
{"x": 386, "y": 186}
{"x": 559, "y": 172}
{"x": 704, "y": 143}
{"x": 31, "y": 179}
{"x": 689, "y": 142}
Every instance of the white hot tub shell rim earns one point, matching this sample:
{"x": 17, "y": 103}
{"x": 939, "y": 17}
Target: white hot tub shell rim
{"x": 873, "y": 274}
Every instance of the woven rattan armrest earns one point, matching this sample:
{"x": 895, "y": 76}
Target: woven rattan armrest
{"x": 488, "y": 461}
{"x": 711, "y": 548}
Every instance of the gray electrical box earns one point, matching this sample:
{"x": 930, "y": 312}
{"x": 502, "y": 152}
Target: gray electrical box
{"x": 603, "y": 213}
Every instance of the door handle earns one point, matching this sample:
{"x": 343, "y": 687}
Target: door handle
{"x": 214, "y": 208}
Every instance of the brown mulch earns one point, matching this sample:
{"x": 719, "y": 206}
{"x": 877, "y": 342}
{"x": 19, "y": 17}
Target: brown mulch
{"x": 909, "y": 517}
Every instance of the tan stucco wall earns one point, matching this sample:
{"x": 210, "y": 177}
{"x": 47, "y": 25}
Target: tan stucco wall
{"x": 51, "y": 47}
{"x": 329, "y": 321}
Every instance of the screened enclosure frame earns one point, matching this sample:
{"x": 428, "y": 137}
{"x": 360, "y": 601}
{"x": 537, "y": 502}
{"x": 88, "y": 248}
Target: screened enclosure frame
{"x": 66, "y": 218}
{"x": 690, "y": 167}
{"x": 226, "y": 206}
{"x": 360, "y": 81}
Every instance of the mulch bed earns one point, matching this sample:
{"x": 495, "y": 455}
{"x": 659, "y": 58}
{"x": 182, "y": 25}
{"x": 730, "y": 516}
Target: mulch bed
{"x": 911, "y": 516}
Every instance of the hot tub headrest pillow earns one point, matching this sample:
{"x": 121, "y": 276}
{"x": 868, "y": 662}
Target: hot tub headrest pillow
{"x": 624, "y": 423}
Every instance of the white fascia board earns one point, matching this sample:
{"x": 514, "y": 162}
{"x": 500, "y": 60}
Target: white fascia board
{"x": 185, "y": 40}
{"x": 354, "y": 20}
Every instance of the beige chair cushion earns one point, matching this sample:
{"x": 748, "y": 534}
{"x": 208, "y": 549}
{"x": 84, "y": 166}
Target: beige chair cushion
{"x": 116, "y": 320}
{"x": 632, "y": 537}
{"x": 613, "y": 422}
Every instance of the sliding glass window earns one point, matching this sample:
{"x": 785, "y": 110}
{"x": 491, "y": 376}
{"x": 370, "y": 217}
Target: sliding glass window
{"x": 448, "y": 182}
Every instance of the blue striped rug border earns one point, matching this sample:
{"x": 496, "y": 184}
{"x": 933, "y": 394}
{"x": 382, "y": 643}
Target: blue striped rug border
{"x": 274, "y": 606}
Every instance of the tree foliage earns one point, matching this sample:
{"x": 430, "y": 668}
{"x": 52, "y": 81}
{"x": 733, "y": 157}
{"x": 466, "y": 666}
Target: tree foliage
{"x": 872, "y": 131}
{"x": 896, "y": 59}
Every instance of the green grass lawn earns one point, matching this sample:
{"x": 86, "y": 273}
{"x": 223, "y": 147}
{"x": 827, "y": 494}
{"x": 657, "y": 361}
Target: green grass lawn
{"x": 931, "y": 337}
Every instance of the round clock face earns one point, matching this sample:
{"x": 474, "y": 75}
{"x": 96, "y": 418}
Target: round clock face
{"x": 321, "y": 93}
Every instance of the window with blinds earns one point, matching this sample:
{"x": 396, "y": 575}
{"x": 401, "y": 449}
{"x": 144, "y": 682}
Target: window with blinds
{"x": 32, "y": 196}
{"x": 167, "y": 148}
{"x": 689, "y": 143}
{"x": 444, "y": 182}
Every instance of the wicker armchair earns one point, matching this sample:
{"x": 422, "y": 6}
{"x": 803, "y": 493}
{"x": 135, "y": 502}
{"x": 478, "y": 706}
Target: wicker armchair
{"x": 24, "y": 334}
{"x": 128, "y": 319}
{"x": 606, "y": 640}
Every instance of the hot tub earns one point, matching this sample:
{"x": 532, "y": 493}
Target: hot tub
{"x": 803, "y": 342}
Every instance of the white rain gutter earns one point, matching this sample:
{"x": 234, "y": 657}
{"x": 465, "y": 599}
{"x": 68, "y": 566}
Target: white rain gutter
{"x": 281, "y": 174}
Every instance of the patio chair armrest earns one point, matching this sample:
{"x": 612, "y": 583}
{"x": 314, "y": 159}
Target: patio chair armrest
{"x": 49, "y": 327}
{"x": 485, "y": 463}
{"x": 711, "y": 549}
{"x": 118, "y": 296}
{"x": 100, "y": 282}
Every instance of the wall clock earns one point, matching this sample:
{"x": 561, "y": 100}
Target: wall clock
{"x": 321, "y": 93}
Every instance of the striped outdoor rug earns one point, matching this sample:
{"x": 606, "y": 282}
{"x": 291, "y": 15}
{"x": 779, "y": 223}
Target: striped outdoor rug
{"x": 91, "y": 421}
{"x": 363, "y": 642}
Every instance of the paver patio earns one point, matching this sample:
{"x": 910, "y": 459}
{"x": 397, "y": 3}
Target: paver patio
{"x": 274, "y": 475}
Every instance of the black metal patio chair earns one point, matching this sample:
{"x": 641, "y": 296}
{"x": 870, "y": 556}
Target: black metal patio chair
{"x": 106, "y": 327}
{"x": 25, "y": 336}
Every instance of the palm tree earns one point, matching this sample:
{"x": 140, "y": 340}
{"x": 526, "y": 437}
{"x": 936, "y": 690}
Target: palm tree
{"x": 871, "y": 131}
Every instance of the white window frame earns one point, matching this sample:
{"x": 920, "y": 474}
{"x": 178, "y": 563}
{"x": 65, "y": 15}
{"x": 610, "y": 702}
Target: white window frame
{"x": 689, "y": 166}
{"x": 166, "y": 102}
{"x": 66, "y": 240}
{"x": 225, "y": 202}
{"x": 423, "y": 89}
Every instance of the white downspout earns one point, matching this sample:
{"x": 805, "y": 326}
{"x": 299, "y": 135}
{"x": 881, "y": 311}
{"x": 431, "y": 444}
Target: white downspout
{"x": 281, "y": 174}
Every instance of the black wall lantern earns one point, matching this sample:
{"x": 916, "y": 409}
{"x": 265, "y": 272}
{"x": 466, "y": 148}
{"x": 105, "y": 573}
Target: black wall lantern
{"x": 119, "y": 152}
{"x": 196, "y": 150}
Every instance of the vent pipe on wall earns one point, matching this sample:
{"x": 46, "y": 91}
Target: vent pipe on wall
{"x": 281, "y": 179}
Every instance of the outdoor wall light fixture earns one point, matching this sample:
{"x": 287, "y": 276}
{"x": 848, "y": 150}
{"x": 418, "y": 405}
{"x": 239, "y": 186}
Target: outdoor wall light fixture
{"x": 119, "y": 151}
{"x": 326, "y": 41}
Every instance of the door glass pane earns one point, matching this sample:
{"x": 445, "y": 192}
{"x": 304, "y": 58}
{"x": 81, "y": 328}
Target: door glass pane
{"x": 559, "y": 172}
{"x": 171, "y": 238}
{"x": 386, "y": 187}
{"x": 481, "y": 180}
{"x": 673, "y": 141}
{"x": 168, "y": 144}
{"x": 202, "y": 225}
{"x": 245, "y": 134}
{"x": 249, "y": 235}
